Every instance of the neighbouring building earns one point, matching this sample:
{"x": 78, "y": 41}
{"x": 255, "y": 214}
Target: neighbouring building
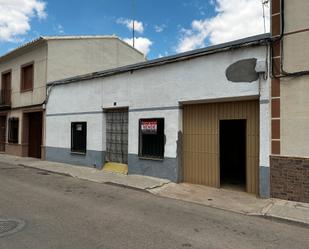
{"x": 25, "y": 72}
{"x": 201, "y": 117}
{"x": 289, "y": 100}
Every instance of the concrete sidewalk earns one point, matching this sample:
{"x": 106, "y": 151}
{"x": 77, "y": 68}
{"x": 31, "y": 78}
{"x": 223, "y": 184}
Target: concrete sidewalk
{"x": 86, "y": 173}
{"x": 235, "y": 201}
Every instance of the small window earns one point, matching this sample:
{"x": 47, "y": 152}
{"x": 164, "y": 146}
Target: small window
{"x": 13, "y": 130}
{"x": 78, "y": 137}
{"x": 27, "y": 77}
{"x": 151, "y": 138}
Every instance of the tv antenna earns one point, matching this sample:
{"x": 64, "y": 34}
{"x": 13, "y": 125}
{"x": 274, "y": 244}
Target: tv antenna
{"x": 133, "y": 22}
{"x": 264, "y": 3}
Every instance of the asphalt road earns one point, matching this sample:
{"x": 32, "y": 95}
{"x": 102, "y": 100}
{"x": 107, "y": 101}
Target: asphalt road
{"x": 63, "y": 212}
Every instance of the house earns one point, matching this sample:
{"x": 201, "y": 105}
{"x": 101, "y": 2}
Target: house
{"x": 25, "y": 72}
{"x": 290, "y": 101}
{"x": 200, "y": 117}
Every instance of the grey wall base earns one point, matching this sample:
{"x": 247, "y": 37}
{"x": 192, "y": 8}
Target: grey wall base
{"x": 92, "y": 158}
{"x": 264, "y": 182}
{"x": 167, "y": 168}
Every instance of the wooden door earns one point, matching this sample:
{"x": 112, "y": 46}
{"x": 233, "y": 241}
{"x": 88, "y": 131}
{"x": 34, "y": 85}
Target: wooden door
{"x": 2, "y": 132}
{"x": 35, "y": 134}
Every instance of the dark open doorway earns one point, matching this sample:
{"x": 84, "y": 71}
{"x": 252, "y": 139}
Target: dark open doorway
{"x": 233, "y": 153}
{"x": 35, "y": 134}
{"x": 2, "y": 133}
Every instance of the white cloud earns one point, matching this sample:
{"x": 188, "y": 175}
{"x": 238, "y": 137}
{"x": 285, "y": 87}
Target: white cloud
{"x": 15, "y": 16}
{"x": 235, "y": 19}
{"x": 59, "y": 29}
{"x": 163, "y": 55}
{"x": 142, "y": 44}
{"x": 138, "y": 26}
{"x": 159, "y": 28}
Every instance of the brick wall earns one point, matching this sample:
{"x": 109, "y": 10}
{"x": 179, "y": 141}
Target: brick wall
{"x": 289, "y": 178}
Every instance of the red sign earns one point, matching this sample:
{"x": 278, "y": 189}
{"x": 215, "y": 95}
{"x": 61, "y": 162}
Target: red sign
{"x": 149, "y": 126}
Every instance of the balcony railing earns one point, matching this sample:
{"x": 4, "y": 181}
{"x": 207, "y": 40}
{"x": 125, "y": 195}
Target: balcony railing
{"x": 5, "y": 97}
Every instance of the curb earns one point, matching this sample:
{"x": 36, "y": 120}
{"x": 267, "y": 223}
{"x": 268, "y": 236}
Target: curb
{"x": 264, "y": 213}
{"x": 284, "y": 220}
{"x": 46, "y": 170}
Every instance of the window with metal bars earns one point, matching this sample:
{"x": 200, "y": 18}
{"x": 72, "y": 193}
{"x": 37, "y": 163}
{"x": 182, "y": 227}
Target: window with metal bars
{"x": 79, "y": 137}
{"x": 151, "y": 138}
{"x": 13, "y": 130}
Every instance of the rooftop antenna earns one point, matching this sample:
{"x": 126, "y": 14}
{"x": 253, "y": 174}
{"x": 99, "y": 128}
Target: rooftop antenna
{"x": 133, "y": 22}
{"x": 264, "y": 3}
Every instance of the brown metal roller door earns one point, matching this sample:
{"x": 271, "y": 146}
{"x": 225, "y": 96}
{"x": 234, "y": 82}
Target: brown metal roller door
{"x": 201, "y": 131}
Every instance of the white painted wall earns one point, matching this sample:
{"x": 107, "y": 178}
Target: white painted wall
{"x": 265, "y": 123}
{"x": 59, "y": 130}
{"x": 200, "y": 79}
{"x": 171, "y": 128}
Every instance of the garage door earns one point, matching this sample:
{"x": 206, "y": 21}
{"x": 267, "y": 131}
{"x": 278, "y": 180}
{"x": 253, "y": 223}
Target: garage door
{"x": 201, "y": 129}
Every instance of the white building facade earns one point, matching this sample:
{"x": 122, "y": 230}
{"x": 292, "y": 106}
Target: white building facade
{"x": 170, "y": 114}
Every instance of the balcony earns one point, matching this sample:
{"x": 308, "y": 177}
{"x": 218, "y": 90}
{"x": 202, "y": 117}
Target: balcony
{"x": 5, "y": 98}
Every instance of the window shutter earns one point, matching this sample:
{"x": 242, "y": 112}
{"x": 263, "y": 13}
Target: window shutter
{"x": 27, "y": 77}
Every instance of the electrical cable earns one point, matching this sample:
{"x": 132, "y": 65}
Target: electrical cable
{"x": 284, "y": 73}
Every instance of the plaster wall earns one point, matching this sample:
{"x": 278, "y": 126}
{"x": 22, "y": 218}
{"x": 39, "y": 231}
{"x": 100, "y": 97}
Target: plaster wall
{"x": 295, "y": 116}
{"x": 72, "y": 57}
{"x": 153, "y": 93}
{"x": 295, "y": 45}
{"x": 37, "y": 96}
{"x": 296, "y": 15}
{"x": 294, "y": 110}
{"x": 59, "y": 130}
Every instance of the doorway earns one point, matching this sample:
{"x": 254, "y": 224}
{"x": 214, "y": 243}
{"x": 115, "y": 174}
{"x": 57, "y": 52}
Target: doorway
{"x": 233, "y": 154}
{"x": 2, "y": 133}
{"x": 117, "y": 136}
{"x": 35, "y": 134}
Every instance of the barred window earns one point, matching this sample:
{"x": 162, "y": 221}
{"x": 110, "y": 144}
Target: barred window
{"x": 79, "y": 137}
{"x": 151, "y": 138}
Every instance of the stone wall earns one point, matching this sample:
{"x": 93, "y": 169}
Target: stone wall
{"x": 289, "y": 178}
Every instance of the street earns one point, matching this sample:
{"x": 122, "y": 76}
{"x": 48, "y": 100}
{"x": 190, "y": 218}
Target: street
{"x": 65, "y": 212}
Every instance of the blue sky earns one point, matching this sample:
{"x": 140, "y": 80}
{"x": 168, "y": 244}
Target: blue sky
{"x": 162, "y": 27}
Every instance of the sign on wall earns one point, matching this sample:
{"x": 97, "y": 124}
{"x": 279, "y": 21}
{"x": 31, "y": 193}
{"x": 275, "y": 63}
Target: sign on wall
{"x": 149, "y": 126}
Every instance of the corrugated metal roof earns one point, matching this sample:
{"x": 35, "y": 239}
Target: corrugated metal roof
{"x": 249, "y": 41}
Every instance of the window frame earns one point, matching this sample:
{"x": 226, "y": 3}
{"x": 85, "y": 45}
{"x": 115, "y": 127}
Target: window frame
{"x": 22, "y": 81}
{"x": 10, "y": 132}
{"x": 6, "y": 88}
{"x": 84, "y": 126}
{"x": 140, "y": 139}
{"x": 2, "y": 76}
